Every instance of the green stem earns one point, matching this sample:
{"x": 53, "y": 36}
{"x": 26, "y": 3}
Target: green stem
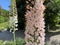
{"x": 14, "y": 38}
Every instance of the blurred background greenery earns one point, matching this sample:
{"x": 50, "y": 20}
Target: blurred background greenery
{"x": 4, "y": 18}
{"x": 52, "y": 13}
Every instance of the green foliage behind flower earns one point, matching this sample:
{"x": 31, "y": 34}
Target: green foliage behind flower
{"x": 4, "y": 19}
{"x": 52, "y": 16}
{"x": 4, "y": 25}
{"x": 4, "y": 15}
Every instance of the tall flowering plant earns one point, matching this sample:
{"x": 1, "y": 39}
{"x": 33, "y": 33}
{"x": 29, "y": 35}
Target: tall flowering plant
{"x": 34, "y": 34}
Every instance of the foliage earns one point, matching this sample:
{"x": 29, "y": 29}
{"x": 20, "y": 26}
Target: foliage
{"x": 19, "y": 41}
{"x": 4, "y": 25}
{"x": 8, "y": 43}
{"x": 1, "y": 42}
{"x": 2, "y": 19}
{"x": 52, "y": 16}
{"x": 3, "y": 15}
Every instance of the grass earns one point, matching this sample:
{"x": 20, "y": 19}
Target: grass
{"x": 4, "y": 25}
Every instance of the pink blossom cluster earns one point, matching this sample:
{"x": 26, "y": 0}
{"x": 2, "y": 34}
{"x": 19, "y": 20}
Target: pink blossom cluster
{"x": 34, "y": 34}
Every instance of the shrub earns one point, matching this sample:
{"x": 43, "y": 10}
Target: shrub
{"x": 8, "y": 43}
{"x": 1, "y": 42}
{"x": 1, "y": 19}
{"x": 19, "y": 41}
